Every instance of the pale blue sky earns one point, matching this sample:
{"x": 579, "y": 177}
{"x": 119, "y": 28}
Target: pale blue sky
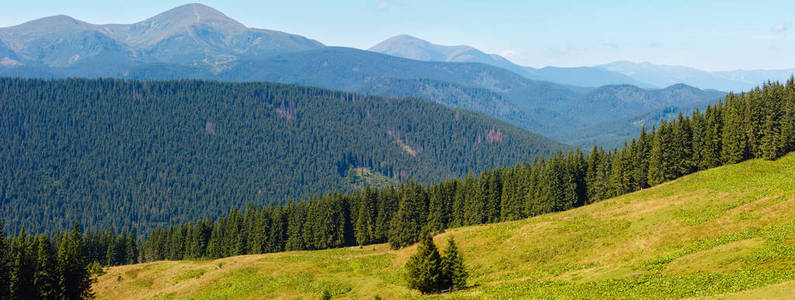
{"x": 710, "y": 35}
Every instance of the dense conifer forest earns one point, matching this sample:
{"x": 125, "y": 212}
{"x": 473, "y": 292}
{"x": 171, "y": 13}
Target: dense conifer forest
{"x": 45, "y": 267}
{"x": 140, "y": 154}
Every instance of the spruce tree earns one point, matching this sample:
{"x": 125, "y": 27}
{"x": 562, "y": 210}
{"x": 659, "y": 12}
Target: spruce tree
{"x": 46, "y": 276}
{"x": 365, "y": 220}
{"x": 772, "y": 145}
{"x": 295, "y": 222}
{"x": 711, "y": 151}
{"x": 387, "y": 206}
{"x": 278, "y": 229}
{"x": 460, "y": 202}
{"x": 424, "y": 268}
{"x": 214, "y": 243}
{"x": 74, "y": 279}
{"x": 24, "y": 268}
{"x": 698, "y": 125}
{"x": 112, "y": 252}
{"x": 454, "y": 274}
{"x": 510, "y": 204}
{"x": 131, "y": 249}
{"x": 407, "y": 224}
{"x": 753, "y": 119}
{"x": 5, "y": 265}
{"x": 658, "y": 157}
{"x": 682, "y": 142}
{"x": 475, "y": 208}
{"x": 734, "y": 143}
{"x": 492, "y": 201}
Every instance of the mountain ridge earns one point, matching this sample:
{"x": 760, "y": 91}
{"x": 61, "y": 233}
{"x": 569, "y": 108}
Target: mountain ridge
{"x": 191, "y": 34}
{"x": 735, "y": 80}
{"x": 411, "y": 47}
{"x": 642, "y": 74}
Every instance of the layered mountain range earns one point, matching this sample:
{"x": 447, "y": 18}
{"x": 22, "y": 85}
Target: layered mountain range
{"x": 645, "y": 75}
{"x": 198, "y": 42}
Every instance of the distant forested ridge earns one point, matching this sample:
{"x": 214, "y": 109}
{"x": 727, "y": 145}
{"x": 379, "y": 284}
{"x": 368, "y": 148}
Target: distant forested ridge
{"x": 757, "y": 124}
{"x": 140, "y": 154}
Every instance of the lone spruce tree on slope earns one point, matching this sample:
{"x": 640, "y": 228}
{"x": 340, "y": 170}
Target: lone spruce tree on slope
{"x": 424, "y": 268}
{"x": 428, "y": 271}
{"x": 453, "y": 272}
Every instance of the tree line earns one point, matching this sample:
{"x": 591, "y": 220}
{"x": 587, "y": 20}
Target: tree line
{"x": 44, "y": 267}
{"x": 756, "y": 124}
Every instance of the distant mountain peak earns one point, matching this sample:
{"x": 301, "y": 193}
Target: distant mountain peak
{"x": 195, "y": 13}
{"x": 56, "y": 19}
{"x": 406, "y": 40}
{"x": 51, "y": 24}
{"x": 179, "y": 20}
{"x": 411, "y": 47}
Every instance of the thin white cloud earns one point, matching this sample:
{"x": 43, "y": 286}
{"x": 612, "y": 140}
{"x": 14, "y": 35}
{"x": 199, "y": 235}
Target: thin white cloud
{"x": 780, "y": 27}
{"x": 510, "y": 54}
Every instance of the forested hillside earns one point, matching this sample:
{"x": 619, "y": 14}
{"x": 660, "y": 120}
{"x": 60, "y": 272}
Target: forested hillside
{"x": 137, "y": 154}
{"x": 759, "y": 124}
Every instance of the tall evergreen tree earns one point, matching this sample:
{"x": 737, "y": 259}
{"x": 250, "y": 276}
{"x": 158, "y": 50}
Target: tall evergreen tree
{"x": 74, "y": 278}
{"x": 424, "y": 268}
{"x": 510, "y": 199}
{"x": 682, "y": 163}
{"x": 296, "y": 219}
{"x": 752, "y": 119}
{"x": 5, "y": 265}
{"x": 640, "y": 160}
{"x": 454, "y": 274}
{"x": 365, "y": 221}
{"x": 734, "y": 143}
{"x": 24, "y": 268}
{"x": 46, "y": 276}
{"x": 408, "y": 221}
{"x": 131, "y": 248}
{"x": 772, "y": 144}
{"x": 278, "y": 229}
{"x": 387, "y": 206}
{"x": 698, "y": 124}
{"x": 711, "y": 150}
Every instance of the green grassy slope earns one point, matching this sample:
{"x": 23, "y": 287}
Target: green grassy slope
{"x": 727, "y": 232}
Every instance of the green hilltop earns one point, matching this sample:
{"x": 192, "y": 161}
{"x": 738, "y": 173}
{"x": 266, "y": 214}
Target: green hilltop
{"x": 726, "y": 232}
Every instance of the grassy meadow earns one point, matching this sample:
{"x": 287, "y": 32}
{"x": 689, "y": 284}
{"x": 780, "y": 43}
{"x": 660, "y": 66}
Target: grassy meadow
{"x": 726, "y": 233}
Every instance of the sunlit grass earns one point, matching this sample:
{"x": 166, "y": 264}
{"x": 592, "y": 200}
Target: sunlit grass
{"x": 727, "y": 232}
